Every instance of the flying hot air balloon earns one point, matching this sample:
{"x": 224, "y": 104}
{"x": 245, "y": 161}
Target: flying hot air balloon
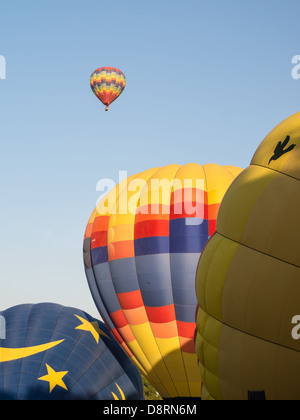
{"x": 107, "y": 83}
{"x": 52, "y": 352}
{"x": 141, "y": 249}
{"x": 248, "y": 279}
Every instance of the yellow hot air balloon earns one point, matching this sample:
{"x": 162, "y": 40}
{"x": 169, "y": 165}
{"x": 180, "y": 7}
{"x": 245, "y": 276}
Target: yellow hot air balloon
{"x": 141, "y": 249}
{"x": 248, "y": 279}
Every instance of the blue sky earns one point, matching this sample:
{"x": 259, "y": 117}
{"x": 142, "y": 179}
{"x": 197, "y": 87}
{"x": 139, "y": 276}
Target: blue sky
{"x": 206, "y": 81}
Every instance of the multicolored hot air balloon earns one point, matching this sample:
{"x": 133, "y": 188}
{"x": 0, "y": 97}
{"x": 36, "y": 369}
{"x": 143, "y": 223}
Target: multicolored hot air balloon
{"x": 107, "y": 83}
{"x": 248, "y": 279}
{"x": 51, "y": 352}
{"x": 141, "y": 249}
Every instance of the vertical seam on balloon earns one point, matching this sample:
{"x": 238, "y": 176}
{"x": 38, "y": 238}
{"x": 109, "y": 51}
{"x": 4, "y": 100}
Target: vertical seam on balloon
{"x": 112, "y": 282}
{"x": 162, "y": 359}
{"x": 76, "y": 341}
{"x": 123, "y": 373}
{"x": 93, "y": 271}
{"x": 20, "y": 372}
{"x": 207, "y": 206}
{"x": 208, "y": 217}
{"x": 180, "y": 349}
{"x": 117, "y": 198}
{"x": 95, "y": 277}
{"x": 82, "y": 336}
{"x": 243, "y": 361}
{"x": 106, "y": 315}
{"x": 137, "y": 275}
{"x": 205, "y": 195}
{"x": 107, "y": 369}
{"x": 226, "y": 168}
{"x": 206, "y": 188}
{"x": 42, "y": 361}
{"x": 205, "y": 287}
{"x": 108, "y": 264}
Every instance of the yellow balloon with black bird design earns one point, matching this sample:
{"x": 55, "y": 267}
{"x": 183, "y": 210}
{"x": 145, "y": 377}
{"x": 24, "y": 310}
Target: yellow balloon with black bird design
{"x": 248, "y": 279}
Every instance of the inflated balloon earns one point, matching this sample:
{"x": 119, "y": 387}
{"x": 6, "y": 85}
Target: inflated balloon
{"x": 248, "y": 279}
{"x": 141, "y": 249}
{"x": 53, "y": 352}
{"x": 107, "y": 83}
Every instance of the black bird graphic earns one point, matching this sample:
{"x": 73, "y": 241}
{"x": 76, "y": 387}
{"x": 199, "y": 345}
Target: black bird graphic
{"x": 279, "y": 149}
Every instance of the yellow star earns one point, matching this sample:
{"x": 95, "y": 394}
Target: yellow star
{"x": 92, "y": 327}
{"x": 54, "y": 378}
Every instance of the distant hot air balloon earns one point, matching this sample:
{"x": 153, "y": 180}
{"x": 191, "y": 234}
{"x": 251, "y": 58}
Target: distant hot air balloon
{"x": 107, "y": 83}
{"x": 141, "y": 248}
{"x": 51, "y": 352}
{"x": 248, "y": 279}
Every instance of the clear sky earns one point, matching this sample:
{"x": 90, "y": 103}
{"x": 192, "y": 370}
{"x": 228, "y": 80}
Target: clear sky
{"x": 206, "y": 81}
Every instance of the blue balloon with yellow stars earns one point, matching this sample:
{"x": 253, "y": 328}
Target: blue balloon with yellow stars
{"x": 52, "y": 352}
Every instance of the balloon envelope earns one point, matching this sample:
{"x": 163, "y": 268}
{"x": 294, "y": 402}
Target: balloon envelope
{"x": 248, "y": 279}
{"x": 53, "y": 352}
{"x": 141, "y": 249}
{"x": 107, "y": 83}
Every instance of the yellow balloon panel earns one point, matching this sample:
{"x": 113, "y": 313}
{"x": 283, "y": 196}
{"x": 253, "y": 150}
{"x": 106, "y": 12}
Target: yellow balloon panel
{"x": 247, "y": 363}
{"x": 207, "y": 343}
{"x": 268, "y": 208}
{"x": 237, "y": 205}
{"x": 261, "y": 296}
{"x": 248, "y": 279}
{"x": 246, "y": 304}
{"x": 211, "y": 274}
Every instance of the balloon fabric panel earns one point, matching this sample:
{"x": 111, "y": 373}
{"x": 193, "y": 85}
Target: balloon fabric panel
{"x": 143, "y": 262}
{"x": 248, "y": 278}
{"x": 55, "y": 352}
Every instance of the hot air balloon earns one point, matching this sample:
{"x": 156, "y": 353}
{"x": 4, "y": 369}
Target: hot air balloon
{"x": 107, "y": 83}
{"x": 52, "y": 352}
{"x": 248, "y": 279}
{"x": 141, "y": 248}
